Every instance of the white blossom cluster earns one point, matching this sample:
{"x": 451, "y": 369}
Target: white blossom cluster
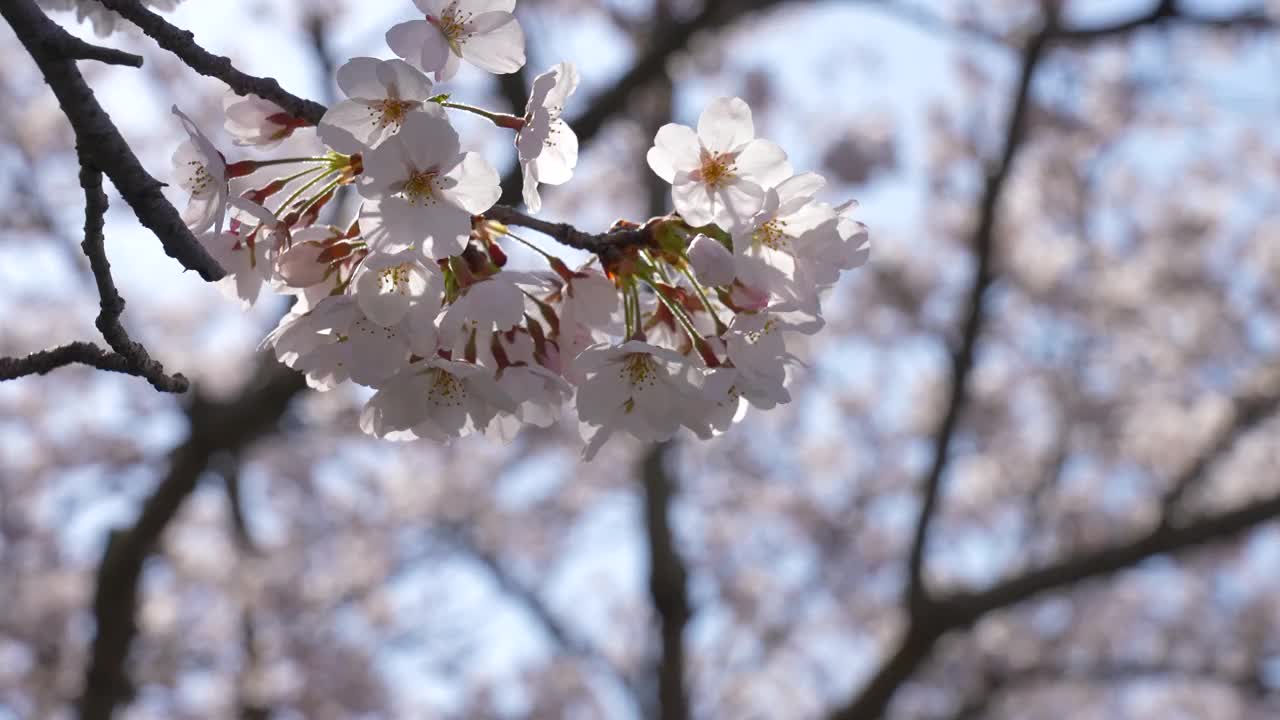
{"x": 413, "y": 299}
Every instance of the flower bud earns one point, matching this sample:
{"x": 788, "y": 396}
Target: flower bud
{"x": 300, "y": 265}
{"x": 711, "y": 261}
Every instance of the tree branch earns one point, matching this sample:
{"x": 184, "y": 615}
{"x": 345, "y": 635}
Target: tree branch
{"x": 618, "y": 238}
{"x": 668, "y": 585}
{"x": 1167, "y": 12}
{"x": 99, "y": 139}
{"x": 129, "y": 357}
{"x": 925, "y": 622}
{"x": 983, "y": 243}
{"x": 1247, "y": 414}
{"x": 1106, "y": 673}
{"x": 182, "y": 43}
{"x": 962, "y": 609}
{"x": 216, "y": 427}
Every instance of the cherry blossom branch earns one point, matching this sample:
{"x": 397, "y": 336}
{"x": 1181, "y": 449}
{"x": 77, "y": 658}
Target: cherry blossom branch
{"x": 99, "y": 138}
{"x": 182, "y": 43}
{"x": 129, "y": 357}
{"x": 604, "y": 243}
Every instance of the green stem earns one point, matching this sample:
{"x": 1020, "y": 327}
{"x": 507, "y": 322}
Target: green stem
{"x": 284, "y": 207}
{"x": 529, "y": 245}
{"x": 316, "y": 198}
{"x": 706, "y": 302}
{"x": 289, "y": 161}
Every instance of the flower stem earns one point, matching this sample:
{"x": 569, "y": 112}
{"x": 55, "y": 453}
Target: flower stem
{"x": 499, "y": 119}
{"x": 678, "y": 312}
{"x": 706, "y": 302}
{"x": 528, "y": 244}
{"x": 284, "y": 206}
{"x": 323, "y": 191}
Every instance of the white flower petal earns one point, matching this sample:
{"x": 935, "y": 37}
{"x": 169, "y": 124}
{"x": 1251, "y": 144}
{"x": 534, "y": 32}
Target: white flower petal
{"x": 358, "y": 78}
{"x": 675, "y": 148}
{"x": 763, "y": 163}
{"x": 472, "y": 185}
{"x": 494, "y": 42}
{"x": 725, "y": 125}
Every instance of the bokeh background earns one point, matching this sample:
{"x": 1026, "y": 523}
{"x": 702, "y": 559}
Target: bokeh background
{"x": 1096, "y": 449}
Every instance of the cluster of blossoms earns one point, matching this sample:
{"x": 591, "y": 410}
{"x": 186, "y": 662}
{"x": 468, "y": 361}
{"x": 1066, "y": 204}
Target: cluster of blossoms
{"x": 683, "y": 324}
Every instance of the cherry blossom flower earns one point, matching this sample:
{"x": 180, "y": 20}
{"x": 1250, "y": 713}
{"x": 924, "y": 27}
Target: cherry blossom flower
{"x": 643, "y": 389}
{"x": 388, "y": 284}
{"x": 494, "y": 303}
{"x": 253, "y": 121}
{"x": 380, "y": 95}
{"x": 426, "y": 188}
{"x": 245, "y": 261}
{"x": 789, "y": 224}
{"x": 202, "y": 171}
{"x": 588, "y": 303}
{"x": 482, "y": 32}
{"x": 718, "y": 173}
{"x": 349, "y": 346}
{"x": 823, "y": 256}
{"x": 547, "y": 146}
{"x": 538, "y": 393}
{"x": 436, "y": 399}
{"x": 711, "y": 261}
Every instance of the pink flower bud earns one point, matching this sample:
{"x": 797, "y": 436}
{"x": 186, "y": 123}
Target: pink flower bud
{"x": 300, "y": 265}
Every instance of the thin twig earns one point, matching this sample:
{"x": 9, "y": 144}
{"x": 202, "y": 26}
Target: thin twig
{"x": 129, "y": 357}
{"x": 182, "y": 43}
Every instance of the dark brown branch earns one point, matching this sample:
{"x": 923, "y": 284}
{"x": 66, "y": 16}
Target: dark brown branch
{"x": 182, "y": 43}
{"x": 112, "y": 305}
{"x": 129, "y": 357}
{"x": 668, "y": 585}
{"x": 73, "y": 47}
{"x": 216, "y": 427}
{"x": 983, "y": 242}
{"x": 600, "y": 243}
{"x": 101, "y": 141}
{"x": 46, "y": 361}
